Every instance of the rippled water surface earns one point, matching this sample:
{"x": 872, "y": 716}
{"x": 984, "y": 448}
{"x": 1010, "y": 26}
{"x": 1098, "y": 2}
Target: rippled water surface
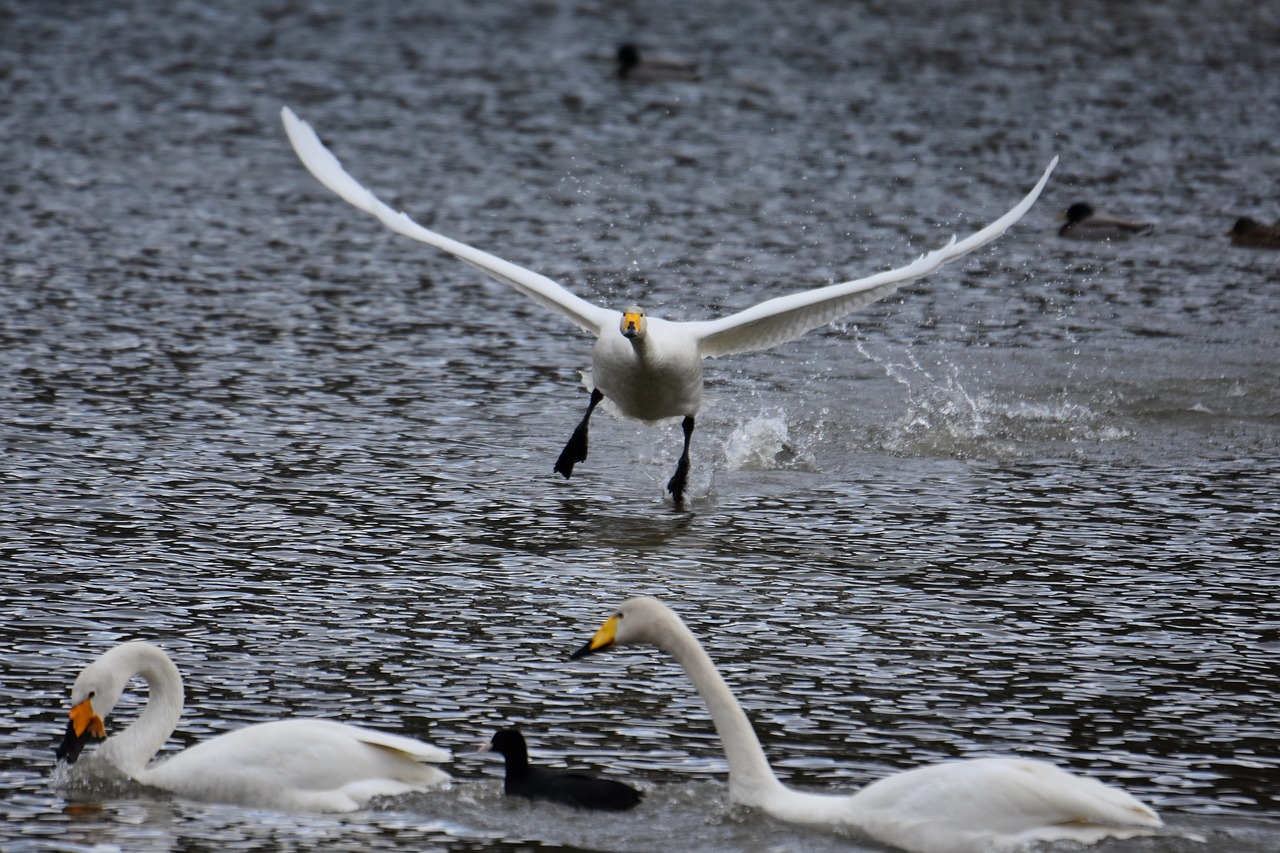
{"x": 1028, "y": 507}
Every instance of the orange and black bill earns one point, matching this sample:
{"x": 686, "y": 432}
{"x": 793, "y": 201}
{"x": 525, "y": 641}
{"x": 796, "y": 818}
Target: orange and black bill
{"x": 602, "y": 640}
{"x": 83, "y": 725}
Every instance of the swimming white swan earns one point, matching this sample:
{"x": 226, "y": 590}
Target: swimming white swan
{"x": 648, "y": 368}
{"x": 291, "y": 765}
{"x": 968, "y": 806}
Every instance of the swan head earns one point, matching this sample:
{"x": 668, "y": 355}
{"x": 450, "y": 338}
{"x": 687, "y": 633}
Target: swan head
{"x": 94, "y": 696}
{"x": 632, "y": 325}
{"x": 637, "y": 621}
{"x": 97, "y": 691}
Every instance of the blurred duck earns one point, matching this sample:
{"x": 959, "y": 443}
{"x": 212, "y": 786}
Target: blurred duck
{"x": 1252, "y": 234}
{"x": 567, "y": 787}
{"x": 632, "y": 66}
{"x": 1084, "y": 223}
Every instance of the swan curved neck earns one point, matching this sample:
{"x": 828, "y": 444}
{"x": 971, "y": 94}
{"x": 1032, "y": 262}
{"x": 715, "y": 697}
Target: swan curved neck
{"x": 131, "y": 749}
{"x": 750, "y": 776}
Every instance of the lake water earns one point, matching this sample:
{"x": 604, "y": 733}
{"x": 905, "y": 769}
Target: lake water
{"x": 1027, "y": 507}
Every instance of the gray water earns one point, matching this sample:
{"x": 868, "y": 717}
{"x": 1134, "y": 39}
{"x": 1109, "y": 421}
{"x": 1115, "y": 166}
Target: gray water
{"x": 1028, "y": 507}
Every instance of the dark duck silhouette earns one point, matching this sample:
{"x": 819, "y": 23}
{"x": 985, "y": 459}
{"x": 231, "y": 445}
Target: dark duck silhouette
{"x": 1084, "y": 223}
{"x": 568, "y": 787}
{"x": 633, "y": 66}
{"x": 1252, "y": 234}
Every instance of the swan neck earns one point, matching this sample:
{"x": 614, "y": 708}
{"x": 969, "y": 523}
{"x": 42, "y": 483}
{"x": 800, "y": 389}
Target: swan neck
{"x": 750, "y": 776}
{"x": 131, "y": 749}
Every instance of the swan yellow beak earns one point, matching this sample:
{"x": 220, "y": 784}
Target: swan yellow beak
{"x": 602, "y": 640}
{"x": 82, "y": 718}
{"x": 632, "y": 324}
{"x": 84, "y": 724}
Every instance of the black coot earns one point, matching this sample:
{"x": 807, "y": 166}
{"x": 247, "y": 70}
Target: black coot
{"x": 559, "y": 786}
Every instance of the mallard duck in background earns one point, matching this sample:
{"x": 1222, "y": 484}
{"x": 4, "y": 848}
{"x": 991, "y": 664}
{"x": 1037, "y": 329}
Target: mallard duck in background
{"x": 1252, "y": 234}
{"x": 1084, "y": 223}
{"x": 632, "y": 66}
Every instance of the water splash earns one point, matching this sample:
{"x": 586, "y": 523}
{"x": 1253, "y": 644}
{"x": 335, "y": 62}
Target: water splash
{"x": 764, "y": 443}
{"x": 944, "y": 417}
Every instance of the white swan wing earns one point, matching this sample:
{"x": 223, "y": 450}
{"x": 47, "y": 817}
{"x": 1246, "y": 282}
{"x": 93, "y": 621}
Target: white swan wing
{"x": 407, "y": 746}
{"x": 785, "y": 318}
{"x": 996, "y": 803}
{"x": 324, "y": 166}
{"x": 313, "y": 765}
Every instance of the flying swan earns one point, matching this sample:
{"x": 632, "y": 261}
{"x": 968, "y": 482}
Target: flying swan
{"x": 967, "y": 806}
{"x": 309, "y": 765}
{"x": 648, "y": 368}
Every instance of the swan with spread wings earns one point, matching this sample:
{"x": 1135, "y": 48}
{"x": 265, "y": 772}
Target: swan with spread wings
{"x": 646, "y": 367}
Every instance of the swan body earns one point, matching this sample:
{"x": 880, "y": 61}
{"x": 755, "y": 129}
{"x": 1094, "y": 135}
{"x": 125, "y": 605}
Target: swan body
{"x": 645, "y": 367}
{"x": 658, "y": 378}
{"x": 292, "y": 765}
{"x": 1084, "y": 223}
{"x": 966, "y": 806}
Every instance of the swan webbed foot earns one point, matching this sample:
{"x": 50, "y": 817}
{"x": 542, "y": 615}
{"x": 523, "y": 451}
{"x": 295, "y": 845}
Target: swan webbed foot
{"x": 575, "y": 450}
{"x": 677, "y": 483}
